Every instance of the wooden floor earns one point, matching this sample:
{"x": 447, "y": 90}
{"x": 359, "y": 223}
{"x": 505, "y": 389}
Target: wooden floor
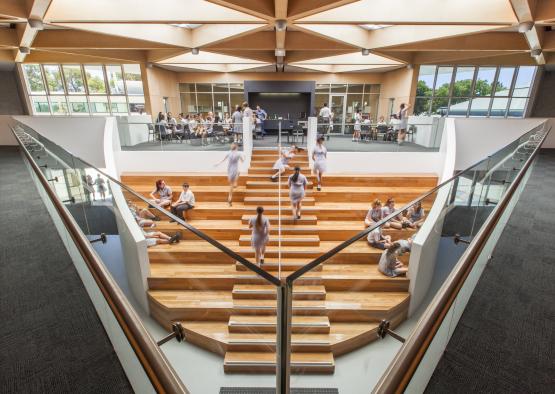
{"x": 229, "y": 310}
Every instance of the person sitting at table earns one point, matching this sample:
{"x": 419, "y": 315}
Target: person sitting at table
{"x": 377, "y": 240}
{"x": 381, "y": 127}
{"x": 394, "y": 123}
{"x": 185, "y": 202}
{"x": 193, "y": 124}
{"x": 159, "y": 117}
{"x": 171, "y": 121}
{"x": 162, "y": 194}
{"x": 227, "y": 123}
{"x": 159, "y": 238}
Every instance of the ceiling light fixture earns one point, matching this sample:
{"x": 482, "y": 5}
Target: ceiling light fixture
{"x": 280, "y": 52}
{"x": 195, "y": 51}
{"x": 525, "y": 27}
{"x": 36, "y": 24}
{"x": 536, "y": 52}
{"x": 374, "y": 27}
{"x": 24, "y": 50}
{"x": 281, "y": 25}
{"x": 365, "y": 51}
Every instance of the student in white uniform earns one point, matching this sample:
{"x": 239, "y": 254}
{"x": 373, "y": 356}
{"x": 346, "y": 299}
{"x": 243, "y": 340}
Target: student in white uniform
{"x": 162, "y": 194}
{"x": 389, "y": 263}
{"x": 325, "y": 115}
{"x": 297, "y": 186}
{"x": 185, "y": 202}
{"x": 357, "y": 127}
{"x": 234, "y": 157}
{"x": 319, "y": 155}
{"x": 377, "y": 240}
{"x": 282, "y": 163}
{"x": 260, "y": 226}
{"x": 403, "y": 118}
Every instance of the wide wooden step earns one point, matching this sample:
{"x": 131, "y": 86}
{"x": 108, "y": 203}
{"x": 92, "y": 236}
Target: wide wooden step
{"x": 177, "y": 178}
{"x": 285, "y": 240}
{"x": 269, "y": 184}
{"x": 268, "y": 292}
{"x": 270, "y": 171}
{"x": 264, "y": 324}
{"x": 265, "y": 201}
{"x": 272, "y": 264}
{"x": 270, "y": 161}
{"x": 284, "y": 193}
{"x": 239, "y": 362}
{"x": 285, "y": 220}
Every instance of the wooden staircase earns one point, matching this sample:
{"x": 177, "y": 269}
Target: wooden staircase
{"x": 229, "y": 310}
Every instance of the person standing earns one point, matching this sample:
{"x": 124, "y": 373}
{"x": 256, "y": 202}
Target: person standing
{"x": 185, "y": 202}
{"x": 358, "y": 126}
{"x": 101, "y": 186}
{"x": 297, "y": 186}
{"x": 262, "y": 116}
{"x": 234, "y": 157}
{"x": 404, "y": 119}
{"x": 247, "y": 112}
{"x": 319, "y": 155}
{"x": 325, "y": 115}
{"x": 260, "y": 226}
{"x": 237, "y": 119}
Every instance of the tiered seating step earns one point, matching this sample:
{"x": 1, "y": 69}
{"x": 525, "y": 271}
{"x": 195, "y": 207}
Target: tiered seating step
{"x": 268, "y": 292}
{"x": 285, "y": 240}
{"x": 238, "y": 362}
{"x": 264, "y": 323}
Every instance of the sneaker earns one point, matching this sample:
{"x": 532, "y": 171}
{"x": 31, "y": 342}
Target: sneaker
{"x": 174, "y": 239}
{"x": 319, "y": 188}
{"x": 156, "y": 218}
{"x": 261, "y": 261}
{"x": 149, "y": 205}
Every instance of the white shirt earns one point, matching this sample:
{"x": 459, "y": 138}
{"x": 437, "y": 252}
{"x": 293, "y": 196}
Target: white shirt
{"x": 187, "y": 197}
{"x": 325, "y": 112}
{"x": 247, "y": 113}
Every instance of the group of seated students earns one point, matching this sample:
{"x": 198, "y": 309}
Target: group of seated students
{"x": 412, "y": 218}
{"x": 145, "y": 219}
{"x": 162, "y": 195}
{"x": 191, "y": 126}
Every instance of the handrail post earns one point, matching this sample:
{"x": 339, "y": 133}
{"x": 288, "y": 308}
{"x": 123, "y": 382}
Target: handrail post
{"x": 283, "y": 348}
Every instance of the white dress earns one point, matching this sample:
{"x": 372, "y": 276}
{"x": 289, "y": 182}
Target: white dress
{"x": 259, "y": 237}
{"x": 233, "y": 158}
{"x": 296, "y": 189}
{"x": 358, "y": 120}
{"x": 284, "y": 160}
{"x": 319, "y": 154}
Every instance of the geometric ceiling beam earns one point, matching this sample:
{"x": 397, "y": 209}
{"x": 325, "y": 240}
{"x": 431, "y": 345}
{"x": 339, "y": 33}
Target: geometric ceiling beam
{"x": 159, "y": 55}
{"x": 26, "y": 34}
{"x": 261, "y": 56}
{"x": 355, "y": 58}
{"x": 549, "y": 41}
{"x": 212, "y": 34}
{"x": 160, "y": 33}
{"x": 262, "y": 40}
{"x": 13, "y": 9}
{"x": 405, "y": 34}
{"x": 339, "y": 68}
{"x": 398, "y": 56}
{"x": 462, "y": 56}
{"x": 418, "y": 12}
{"x": 263, "y": 9}
{"x": 301, "y": 8}
{"x": 280, "y": 13}
{"x": 145, "y": 11}
{"x": 215, "y": 67}
{"x": 349, "y": 34}
{"x": 478, "y": 42}
{"x": 83, "y": 39}
{"x": 6, "y": 55}
{"x": 302, "y": 55}
{"x": 523, "y": 12}
{"x": 298, "y": 40}
{"x": 208, "y": 58}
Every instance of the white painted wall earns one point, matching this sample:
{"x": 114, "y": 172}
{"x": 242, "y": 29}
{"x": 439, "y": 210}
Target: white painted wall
{"x": 384, "y": 162}
{"x": 478, "y": 138}
{"x": 6, "y": 136}
{"x": 83, "y": 137}
{"x": 425, "y": 245}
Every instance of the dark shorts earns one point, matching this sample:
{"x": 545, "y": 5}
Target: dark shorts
{"x": 379, "y": 245}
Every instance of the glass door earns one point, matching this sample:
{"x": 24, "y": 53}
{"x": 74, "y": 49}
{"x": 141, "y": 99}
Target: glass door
{"x": 337, "y": 106}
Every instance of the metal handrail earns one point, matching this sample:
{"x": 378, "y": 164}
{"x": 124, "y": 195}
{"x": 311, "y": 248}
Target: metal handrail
{"x": 156, "y": 366}
{"x": 253, "y": 267}
{"x": 402, "y": 368}
{"x": 332, "y": 252}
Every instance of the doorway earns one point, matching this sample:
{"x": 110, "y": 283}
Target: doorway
{"x": 337, "y": 107}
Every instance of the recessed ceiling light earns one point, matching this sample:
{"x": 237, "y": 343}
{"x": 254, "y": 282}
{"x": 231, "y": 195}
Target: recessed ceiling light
{"x": 374, "y": 27}
{"x": 365, "y": 52}
{"x": 186, "y": 25}
{"x": 281, "y": 24}
{"x": 195, "y": 51}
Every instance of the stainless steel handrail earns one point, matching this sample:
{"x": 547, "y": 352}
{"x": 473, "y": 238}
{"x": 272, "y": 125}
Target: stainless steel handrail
{"x": 321, "y": 259}
{"x": 253, "y": 267}
{"x": 402, "y": 368}
{"x": 156, "y": 366}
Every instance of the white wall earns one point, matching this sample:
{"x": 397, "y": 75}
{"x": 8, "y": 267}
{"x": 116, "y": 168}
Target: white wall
{"x": 425, "y": 245}
{"x": 6, "y": 136}
{"x": 83, "y": 137}
{"x": 478, "y": 138}
{"x": 384, "y": 162}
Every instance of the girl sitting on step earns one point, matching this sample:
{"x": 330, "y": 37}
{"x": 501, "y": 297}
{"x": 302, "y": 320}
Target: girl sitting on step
{"x": 389, "y": 264}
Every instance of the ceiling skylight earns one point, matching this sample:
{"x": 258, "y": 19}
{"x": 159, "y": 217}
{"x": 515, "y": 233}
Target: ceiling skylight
{"x": 186, "y": 25}
{"x": 374, "y": 27}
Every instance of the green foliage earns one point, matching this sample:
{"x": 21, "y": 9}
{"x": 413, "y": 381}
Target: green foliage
{"x": 74, "y": 79}
{"x": 132, "y": 77}
{"x": 34, "y": 77}
{"x": 96, "y": 84}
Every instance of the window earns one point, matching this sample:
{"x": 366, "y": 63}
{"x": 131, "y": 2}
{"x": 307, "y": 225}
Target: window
{"x": 33, "y": 78}
{"x": 115, "y": 79}
{"x": 53, "y": 78}
{"x": 74, "y": 79}
{"x": 95, "y": 79}
{"x": 133, "y": 80}
{"x": 81, "y": 90}
{"x": 473, "y": 91}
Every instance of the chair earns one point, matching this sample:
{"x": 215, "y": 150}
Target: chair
{"x": 151, "y": 132}
{"x": 177, "y": 135}
{"x": 298, "y": 132}
{"x": 164, "y": 133}
{"x": 366, "y": 132}
{"x": 411, "y": 132}
{"x": 218, "y": 134}
{"x": 382, "y": 129}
